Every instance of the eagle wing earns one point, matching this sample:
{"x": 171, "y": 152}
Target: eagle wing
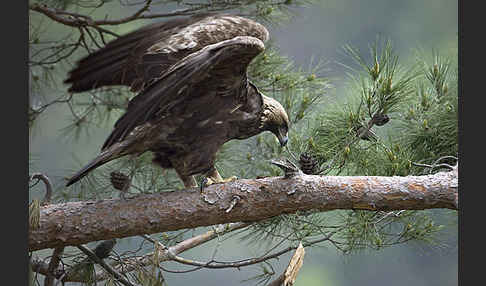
{"x": 139, "y": 58}
{"x": 218, "y": 68}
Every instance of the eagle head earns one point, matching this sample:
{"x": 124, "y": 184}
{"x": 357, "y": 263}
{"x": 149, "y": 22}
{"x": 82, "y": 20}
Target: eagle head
{"x": 275, "y": 119}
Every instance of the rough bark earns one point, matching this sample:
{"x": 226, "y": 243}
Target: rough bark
{"x": 245, "y": 200}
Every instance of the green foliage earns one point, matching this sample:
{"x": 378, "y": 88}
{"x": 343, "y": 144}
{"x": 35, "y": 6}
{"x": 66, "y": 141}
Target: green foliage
{"x": 59, "y": 4}
{"x": 289, "y": 228}
{"x": 30, "y": 274}
{"x": 422, "y": 103}
{"x": 332, "y": 137}
{"x": 380, "y": 89}
{"x": 34, "y": 214}
{"x": 429, "y": 126}
{"x": 153, "y": 275}
{"x": 383, "y": 87}
{"x": 266, "y": 273}
{"x": 84, "y": 270}
{"x": 299, "y": 91}
{"x": 385, "y": 83}
{"x": 377, "y": 230}
{"x": 380, "y": 160}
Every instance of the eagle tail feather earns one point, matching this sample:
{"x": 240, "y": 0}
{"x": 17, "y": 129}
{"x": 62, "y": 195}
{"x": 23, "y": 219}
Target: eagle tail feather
{"x": 101, "y": 159}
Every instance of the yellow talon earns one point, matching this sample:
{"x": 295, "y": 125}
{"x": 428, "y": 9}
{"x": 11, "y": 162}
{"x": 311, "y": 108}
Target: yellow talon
{"x": 214, "y": 177}
{"x": 230, "y": 179}
{"x": 210, "y": 181}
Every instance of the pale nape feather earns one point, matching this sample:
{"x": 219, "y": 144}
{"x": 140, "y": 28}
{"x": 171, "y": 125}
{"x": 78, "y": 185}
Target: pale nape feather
{"x": 274, "y": 113}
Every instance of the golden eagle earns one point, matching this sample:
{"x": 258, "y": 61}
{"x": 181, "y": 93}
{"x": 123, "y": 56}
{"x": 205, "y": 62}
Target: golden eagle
{"x": 194, "y": 94}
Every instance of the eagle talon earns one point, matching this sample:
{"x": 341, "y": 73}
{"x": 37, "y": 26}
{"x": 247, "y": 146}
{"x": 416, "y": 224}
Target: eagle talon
{"x": 230, "y": 179}
{"x": 203, "y": 183}
{"x": 221, "y": 180}
{"x": 207, "y": 181}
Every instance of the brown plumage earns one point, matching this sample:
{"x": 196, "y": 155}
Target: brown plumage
{"x": 194, "y": 92}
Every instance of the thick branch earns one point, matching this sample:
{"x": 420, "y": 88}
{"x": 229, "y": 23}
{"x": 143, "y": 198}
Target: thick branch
{"x": 76, "y": 223}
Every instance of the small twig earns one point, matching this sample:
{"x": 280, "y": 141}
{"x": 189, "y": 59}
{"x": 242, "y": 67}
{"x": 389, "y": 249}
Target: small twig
{"x": 39, "y": 266}
{"x": 47, "y": 183}
{"x": 433, "y": 166}
{"x": 176, "y": 249}
{"x": 44, "y": 61}
{"x": 246, "y": 262}
{"x": 279, "y": 281}
{"x": 40, "y": 109}
{"x": 93, "y": 40}
{"x": 395, "y": 214}
{"x": 289, "y": 168}
{"x": 445, "y": 157}
{"x": 361, "y": 133}
{"x": 84, "y": 44}
{"x": 103, "y": 264}
{"x": 53, "y": 264}
{"x": 290, "y": 152}
{"x": 233, "y": 203}
{"x": 162, "y": 246}
{"x": 78, "y": 20}
{"x": 287, "y": 278}
{"x": 102, "y": 36}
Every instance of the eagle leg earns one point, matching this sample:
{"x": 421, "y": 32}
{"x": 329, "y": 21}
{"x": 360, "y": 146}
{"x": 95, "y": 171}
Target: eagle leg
{"x": 189, "y": 181}
{"x": 213, "y": 177}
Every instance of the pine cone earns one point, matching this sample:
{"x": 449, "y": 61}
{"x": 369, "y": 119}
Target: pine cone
{"x": 308, "y": 164}
{"x": 380, "y": 119}
{"x": 119, "y": 180}
{"x": 104, "y": 248}
{"x": 369, "y": 135}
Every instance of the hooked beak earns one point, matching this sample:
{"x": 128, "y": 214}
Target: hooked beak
{"x": 283, "y": 140}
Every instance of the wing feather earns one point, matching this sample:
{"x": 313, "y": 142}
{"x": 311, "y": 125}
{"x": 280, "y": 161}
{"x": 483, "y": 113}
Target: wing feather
{"x": 225, "y": 62}
{"x": 137, "y": 59}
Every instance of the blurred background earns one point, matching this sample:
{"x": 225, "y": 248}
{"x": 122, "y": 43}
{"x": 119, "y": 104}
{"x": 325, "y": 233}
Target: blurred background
{"x": 316, "y": 32}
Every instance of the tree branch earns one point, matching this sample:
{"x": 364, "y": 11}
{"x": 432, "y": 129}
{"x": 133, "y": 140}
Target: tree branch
{"x": 53, "y": 264}
{"x": 76, "y": 223}
{"x": 287, "y": 278}
{"x": 133, "y": 263}
{"x": 47, "y": 197}
{"x": 103, "y": 264}
{"x": 79, "y": 20}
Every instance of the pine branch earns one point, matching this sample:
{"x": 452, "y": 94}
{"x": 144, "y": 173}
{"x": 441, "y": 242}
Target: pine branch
{"x": 287, "y": 278}
{"x": 80, "y": 20}
{"x": 76, "y": 223}
{"x": 41, "y": 177}
{"x": 53, "y": 264}
{"x": 108, "y": 268}
{"x": 130, "y": 264}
